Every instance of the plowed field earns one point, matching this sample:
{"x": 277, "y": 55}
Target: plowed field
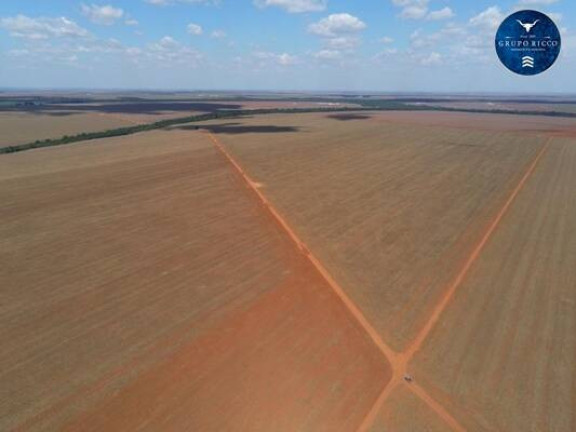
{"x": 363, "y": 272}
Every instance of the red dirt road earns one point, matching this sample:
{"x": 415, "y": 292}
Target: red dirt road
{"x": 397, "y": 362}
{"x": 476, "y": 251}
{"x": 406, "y": 412}
{"x": 354, "y": 310}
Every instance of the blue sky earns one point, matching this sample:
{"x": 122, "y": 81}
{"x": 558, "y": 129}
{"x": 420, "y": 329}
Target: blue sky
{"x": 354, "y": 45}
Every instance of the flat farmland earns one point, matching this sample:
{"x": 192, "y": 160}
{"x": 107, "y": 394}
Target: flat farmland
{"x": 523, "y": 124}
{"x": 504, "y": 354}
{"x": 569, "y": 108}
{"x": 363, "y": 272}
{"x": 455, "y": 237}
{"x": 22, "y": 127}
{"x": 389, "y": 209}
{"x": 143, "y": 286}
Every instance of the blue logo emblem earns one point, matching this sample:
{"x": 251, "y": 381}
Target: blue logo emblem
{"x": 528, "y": 42}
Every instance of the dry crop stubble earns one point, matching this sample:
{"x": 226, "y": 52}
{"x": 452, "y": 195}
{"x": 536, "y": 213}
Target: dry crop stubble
{"x": 495, "y": 214}
{"x": 391, "y": 211}
{"x": 136, "y": 285}
{"x": 22, "y": 128}
{"x": 389, "y": 205}
{"x": 504, "y": 352}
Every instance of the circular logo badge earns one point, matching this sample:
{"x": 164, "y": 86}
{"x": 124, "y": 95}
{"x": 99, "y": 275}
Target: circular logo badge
{"x": 528, "y": 42}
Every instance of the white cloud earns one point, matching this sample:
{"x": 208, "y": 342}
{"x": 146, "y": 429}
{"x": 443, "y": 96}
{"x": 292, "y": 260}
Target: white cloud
{"x": 489, "y": 19}
{"x": 286, "y": 59}
{"x": 131, "y": 22}
{"x": 386, "y": 55}
{"x": 295, "y": 6}
{"x": 22, "y": 26}
{"x": 218, "y": 34}
{"x": 337, "y": 24}
{"x": 386, "y": 40}
{"x": 418, "y": 10}
{"x": 166, "y": 42}
{"x": 414, "y": 12}
{"x": 339, "y": 32}
{"x": 452, "y": 45}
{"x": 445, "y": 13}
{"x": 412, "y": 9}
{"x": 194, "y": 29}
{"x": 165, "y": 55}
{"x": 283, "y": 59}
{"x": 474, "y": 49}
{"x": 46, "y": 55}
{"x": 450, "y": 33}
{"x": 104, "y": 15}
{"x": 328, "y": 55}
{"x": 168, "y": 51}
{"x": 77, "y": 52}
{"x": 432, "y": 59}
{"x": 342, "y": 42}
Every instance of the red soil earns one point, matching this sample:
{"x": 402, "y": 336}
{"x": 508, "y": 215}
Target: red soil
{"x": 293, "y": 361}
{"x": 147, "y": 287}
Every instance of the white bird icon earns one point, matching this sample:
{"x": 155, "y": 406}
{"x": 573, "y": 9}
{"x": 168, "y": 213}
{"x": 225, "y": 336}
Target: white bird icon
{"x": 527, "y": 26}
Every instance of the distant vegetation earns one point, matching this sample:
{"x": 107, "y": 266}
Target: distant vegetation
{"x": 364, "y": 105}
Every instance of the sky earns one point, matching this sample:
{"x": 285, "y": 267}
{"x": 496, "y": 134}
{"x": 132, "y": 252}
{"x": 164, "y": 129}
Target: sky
{"x": 285, "y": 45}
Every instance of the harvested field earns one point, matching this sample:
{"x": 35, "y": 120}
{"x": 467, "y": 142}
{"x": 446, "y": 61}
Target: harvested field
{"x": 143, "y": 284}
{"x": 504, "y": 353}
{"x": 507, "y": 123}
{"x": 363, "y": 272}
{"x": 22, "y": 127}
{"x": 388, "y": 209}
{"x": 497, "y": 356}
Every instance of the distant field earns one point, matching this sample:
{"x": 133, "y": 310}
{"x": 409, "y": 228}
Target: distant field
{"x": 526, "y": 125}
{"x": 22, "y": 125}
{"x": 353, "y": 271}
{"x": 22, "y": 128}
{"x": 508, "y": 106}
